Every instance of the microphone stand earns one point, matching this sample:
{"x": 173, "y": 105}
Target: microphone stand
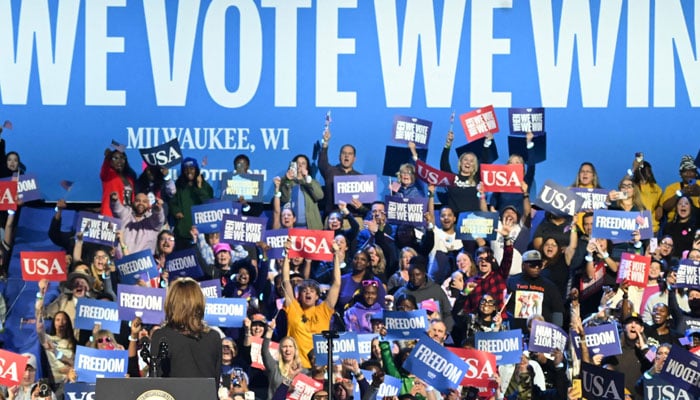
{"x": 153, "y": 361}
{"x": 330, "y": 335}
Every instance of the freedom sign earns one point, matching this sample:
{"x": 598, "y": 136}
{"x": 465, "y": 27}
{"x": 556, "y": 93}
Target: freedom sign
{"x": 27, "y": 187}
{"x": 477, "y": 224}
{"x": 139, "y": 266}
{"x": 482, "y": 366}
{"x": 411, "y": 129}
{"x": 12, "y": 366}
{"x": 207, "y": 217}
{"x": 345, "y": 346}
{"x": 311, "y": 244}
{"x": 390, "y": 387}
{"x": 97, "y": 228}
{"x": 275, "y": 239}
{"x": 688, "y": 275}
{"x": 8, "y": 195}
{"x": 184, "y": 263}
{"x": 593, "y": 199}
{"x": 682, "y": 369}
{"x": 38, "y": 265}
{"x": 303, "y": 388}
{"x": 434, "y": 176}
{"x": 436, "y": 365}
{"x": 166, "y": 155}
{"x": 405, "y": 211}
{"x": 88, "y": 312}
{"x": 600, "y": 339}
{"x": 237, "y": 229}
{"x": 546, "y": 337}
{"x": 558, "y": 200}
{"x": 256, "y": 352}
{"x": 479, "y": 122}
{"x": 211, "y": 288}
{"x": 249, "y": 186}
{"x": 524, "y": 120}
{"x": 634, "y": 268}
{"x": 227, "y": 312}
{"x": 91, "y": 364}
{"x": 405, "y": 324}
{"x": 507, "y": 346}
{"x": 619, "y": 225}
{"x": 144, "y": 302}
{"x": 364, "y": 344}
{"x": 502, "y": 178}
{"x": 355, "y": 187}
{"x": 602, "y": 383}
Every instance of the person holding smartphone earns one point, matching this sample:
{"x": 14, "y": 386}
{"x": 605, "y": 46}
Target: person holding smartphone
{"x": 687, "y": 186}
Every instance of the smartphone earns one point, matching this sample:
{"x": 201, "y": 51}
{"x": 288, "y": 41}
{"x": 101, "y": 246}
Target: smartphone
{"x": 621, "y": 195}
{"x": 576, "y": 388}
{"x": 639, "y": 156}
{"x": 653, "y": 244}
{"x": 293, "y": 167}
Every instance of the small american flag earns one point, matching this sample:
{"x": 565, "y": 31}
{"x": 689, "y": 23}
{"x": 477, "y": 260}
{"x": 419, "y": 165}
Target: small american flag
{"x": 205, "y": 161}
{"x": 328, "y": 118}
{"x": 7, "y": 124}
{"x": 66, "y": 185}
{"x": 452, "y": 120}
{"x": 118, "y": 146}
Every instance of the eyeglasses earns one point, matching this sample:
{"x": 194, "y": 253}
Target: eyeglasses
{"x": 487, "y": 302}
{"x": 484, "y": 259}
{"x": 106, "y": 339}
{"x": 626, "y": 186}
{"x": 667, "y": 244}
{"x": 533, "y": 265}
{"x": 370, "y": 283}
{"x": 167, "y": 239}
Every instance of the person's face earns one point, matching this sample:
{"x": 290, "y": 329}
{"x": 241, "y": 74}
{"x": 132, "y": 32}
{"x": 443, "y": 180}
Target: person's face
{"x": 287, "y": 218}
{"x": 166, "y": 244}
{"x": 308, "y": 297}
{"x": 660, "y": 314}
{"x": 257, "y": 330}
{"x": 370, "y": 294}
{"x": 342, "y": 243}
{"x": 334, "y": 221}
{"x": 373, "y": 256}
{"x": 339, "y": 393}
{"x": 683, "y": 207}
{"x": 532, "y": 269}
{"x": 687, "y": 175}
{"x": 213, "y": 239}
{"x": 243, "y": 276}
{"x": 376, "y": 350}
{"x": 190, "y": 173}
{"x": 118, "y": 161}
{"x": 141, "y": 203}
{"x": 223, "y": 257}
{"x": 550, "y": 248}
{"x": 627, "y": 187}
{"x": 101, "y": 260}
{"x": 105, "y": 343}
{"x": 632, "y": 330}
{"x": 483, "y": 261}
{"x": 302, "y": 165}
{"x": 661, "y": 355}
{"x": 654, "y": 270}
{"x": 12, "y": 162}
{"x": 378, "y": 213}
{"x": 694, "y": 255}
{"x": 241, "y": 166}
{"x": 666, "y": 246}
{"x": 417, "y": 277}
{"x": 585, "y": 175}
{"x": 29, "y": 376}
{"x": 347, "y": 157}
{"x": 458, "y": 279}
{"x": 447, "y": 219}
{"x": 406, "y": 177}
{"x": 463, "y": 262}
{"x": 406, "y": 305}
{"x": 509, "y": 217}
{"x": 487, "y": 305}
{"x": 287, "y": 350}
{"x": 360, "y": 261}
{"x": 467, "y": 165}
{"x": 438, "y": 332}
{"x": 406, "y": 259}
{"x": 80, "y": 287}
{"x": 227, "y": 352}
{"x": 588, "y": 225}
{"x": 60, "y": 322}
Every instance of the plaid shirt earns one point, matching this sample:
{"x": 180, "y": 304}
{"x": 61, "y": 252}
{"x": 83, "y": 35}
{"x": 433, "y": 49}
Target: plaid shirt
{"x": 493, "y": 284}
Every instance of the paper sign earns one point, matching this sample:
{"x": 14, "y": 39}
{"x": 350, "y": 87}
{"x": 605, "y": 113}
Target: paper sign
{"x": 634, "y": 268}
{"x": 137, "y": 266}
{"x": 478, "y": 123}
{"x": 256, "y": 349}
{"x": 90, "y": 311}
{"x": 593, "y": 199}
{"x": 211, "y": 288}
{"x": 8, "y": 195}
{"x": 249, "y": 186}
{"x": 344, "y": 347}
{"x": 682, "y": 369}
{"x": 91, "y": 364}
{"x": 507, "y": 346}
{"x": 303, "y": 388}
{"x": 589, "y": 287}
{"x": 434, "y": 176}
{"x": 524, "y": 120}
{"x": 27, "y": 187}
{"x": 405, "y": 324}
{"x": 12, "y": 366}
{"x": 144, "y": 302}
{"x": 209, "y": 216}
{"x": 602, "y": 383}
{"x": 38, "y": 265}
{"x": 546, "y": 337}
{"x": 311, "y": 244}
{"x": 437, "y": 366}
{"x": 166, "y": 155}
{"x": 410, "y": 129}
{"x": 502, "y": 178}
{"x": 275, "y": 239}
{"x": 477, "y": 224}
{"x": 79, "y": 391}
{"x": 601, "y": 339}
{"x": 227, "y": 312}
{"x": 237, "y": 229}
{"x": 482, "y": 366}
{"x": 688, "y": 275}
{"x": 97, "y": 228}
{"x": 355, "y": 187}
{"x": 364, "y": 344}
{"x": 183, "y": 263}
{"x": 390, "y": 387}
{"x": 403, "y": 210}
{"x": 558, "y": 200}
{"x": 619, "y": 225}
{"x": 657, "y": 388}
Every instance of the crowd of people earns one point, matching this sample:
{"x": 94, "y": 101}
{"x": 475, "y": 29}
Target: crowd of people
{"x": 547, "y": 269}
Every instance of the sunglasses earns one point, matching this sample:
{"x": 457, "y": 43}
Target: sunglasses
{"x": 370, "y": 283}
{"x": 106, "y": 339}
{"x": 487, "y": 302}
{"x": 536, "y": 266}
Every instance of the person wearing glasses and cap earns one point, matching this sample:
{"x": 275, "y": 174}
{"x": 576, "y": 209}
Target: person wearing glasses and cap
{"x": 533, "y": 294}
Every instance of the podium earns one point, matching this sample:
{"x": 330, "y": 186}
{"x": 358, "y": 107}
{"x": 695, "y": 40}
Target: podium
{"x": 155, "y": 389}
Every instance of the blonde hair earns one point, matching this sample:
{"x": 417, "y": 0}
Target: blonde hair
{"x": 636, "y": 194}
{"x": 285, "y": 368}
{"x": 102, "y": 333}
{"x": 476, "y": 165}
{"x": 381, "y": 266}
{"x": 184, "y": 307}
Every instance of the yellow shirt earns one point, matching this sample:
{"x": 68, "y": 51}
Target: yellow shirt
{"x": 303, "y": 324}
{"x": 651, "y": 198}
{"x": 669, "y": 192}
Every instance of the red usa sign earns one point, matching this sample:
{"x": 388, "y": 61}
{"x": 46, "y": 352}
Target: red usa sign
{"x": 502, "y": 178}
{"x": 38, "y": 265}
{"x": 482, "y": 366}
{"x": 8, "y": 195}
{"x": 12, "y": 367}
{"x": 312, "y": 244}
{"x": 434, "y": 176}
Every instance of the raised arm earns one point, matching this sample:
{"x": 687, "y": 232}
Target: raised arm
{"x": 334, "y": 291}
{"x": 286, "y": 283}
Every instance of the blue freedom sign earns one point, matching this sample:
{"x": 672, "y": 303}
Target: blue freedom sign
{"x": 601, "y": 339}
{"x": 435, "y": 364}
{"x": 507, "y": 346}
{"x": 619, "y": 225}
{"x": 207, "y": 217}
{"x": 143, "y": 302}
{"x": 91, "y": 311}
{"x": 91, "y": 364}
{"x": 405, "y": 324}
{"x": 345, "y": 346}
{"x": 140, "y": 266}
{"x": 184, "y": 263}
{"x": 225, "y": 311}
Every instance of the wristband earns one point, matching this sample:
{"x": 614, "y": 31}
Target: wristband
{"x": 10, "y": 212}
{"x": 589, "y": 257}
{"x": 39, "y": 295}
{"x": 605, "y": 255}
{"x": 131, "y": 339}
{"x": 679, "y": 193}
{"x": 357, "y": 374}
{"x": 526, "y": 195}
{"x": 55, "y": 209}
{"x": 308, "y": 179}
{"x": 530, "y": 145}
{"x": 246, "y": 208}
{"x": 278, "y": 194}
{"x": 431, "y": 226}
